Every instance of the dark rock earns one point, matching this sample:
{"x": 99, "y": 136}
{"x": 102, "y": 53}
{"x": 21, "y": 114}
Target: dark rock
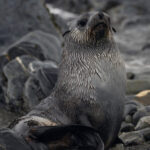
{"x": 19, "y": 95}
{"x": 130, "y": 75}
{"x": 41, "y": 83}
{"x": 132, "y": 138}
{"x": 128, "y": 119}
{"x": 18, "y": 67}
{"x": 3, "y": 61}
{"x": 36, "y": 65}
{"x": 41, "y": 45}
{"x": 47, "y": 78}
{"x": 146, "y": 133}
{"x": 146, "y": 47}
{"x": 14, "y": 91}
{"x": 32, "y": 93}
{"x": 118, "y": 147}
{"x": 10, "y": 141}
{"x": 144, "y": 122}
{"x": 25, "y": 48}
{"x": 17, "y": 19}
{"x": 6, "y": 117}
{"x": 60, "y": 23}
{"x": 127, "y": 127}
{"x": 139, "y": 114}
{"x": 144, "y": 146}
{"x": 131, "y": 107}
{"x": 16, "y": 73}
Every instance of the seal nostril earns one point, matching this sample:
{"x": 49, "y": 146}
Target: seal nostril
{"x": 100, "y": 15}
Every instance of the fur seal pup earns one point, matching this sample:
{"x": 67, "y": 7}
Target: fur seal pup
{"x": 90, "y": 89}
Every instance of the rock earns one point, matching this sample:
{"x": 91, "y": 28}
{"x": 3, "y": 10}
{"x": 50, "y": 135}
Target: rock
{"x": 131, "y": 19}
{"x": 40, "y": 84}
{"x": 144, "y": 122}
{"x": 17, "y": 20}
{"x": 60, "y": 23}
{"x": 36, "y": 65}
{"x": 41, "y": 45}
{"x": 146, "y": 133}
{"x": 147, "y": 108}
{"x": 16, "y": 73}
{"x": 131, "y": 107}
{"x": 110, "y": 4}
{"x": 132, "y": 138}
{"x": 26, "y": 83}
{"x": 46, "y": 74}
{"x": 128, "y": 119}
{"x": 143, "y": 97}
{"x": 142, "y": 112}
{"x": 127, "y": 127}
{"x": 3, "y": 62}
{"x": 25, "y": 48}
{"x": 29, "y": 81}
{"x": 146, "y": 47}
{"x": 130, "y": 75}
{"x": 14, "y": 92}
{"x": 32, "y": 93}
{"x": 18, "y": 67}
{"x": 74, "y": 6}
{"x": 6, "y": 117}
{"x": 135, "y": 86}
{"x": 47, "y": 78}
{"x": 10, "y": 140}
{"x": 144, "y": 146}
{"x": 118, "y": 147}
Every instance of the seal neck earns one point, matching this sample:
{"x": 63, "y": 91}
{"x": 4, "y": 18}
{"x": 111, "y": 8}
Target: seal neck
{"x": 102, "y": 45}
{"x": 79, "y": 68}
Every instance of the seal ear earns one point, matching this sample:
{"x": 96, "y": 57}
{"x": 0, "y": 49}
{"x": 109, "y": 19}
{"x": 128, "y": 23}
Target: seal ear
{"x": 114, "y": 29}
{"x": 73, "y": 137}
{"x": 65, "y": 33}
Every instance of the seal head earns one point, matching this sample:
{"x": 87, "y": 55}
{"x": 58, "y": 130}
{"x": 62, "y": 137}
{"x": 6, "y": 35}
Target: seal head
{"x": 90, "y": 28}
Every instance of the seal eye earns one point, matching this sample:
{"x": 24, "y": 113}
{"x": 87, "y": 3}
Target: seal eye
{"x": 82, "y": 22}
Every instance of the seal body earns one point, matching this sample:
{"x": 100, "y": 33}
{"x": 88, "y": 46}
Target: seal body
{"x": 90, "y": 89}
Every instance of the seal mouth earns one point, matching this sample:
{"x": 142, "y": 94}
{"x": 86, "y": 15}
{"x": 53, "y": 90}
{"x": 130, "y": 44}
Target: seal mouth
{"x": 99, "y": 26}
{"x": 99, "y": 30}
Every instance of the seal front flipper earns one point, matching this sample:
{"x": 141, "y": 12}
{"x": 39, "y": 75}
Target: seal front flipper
{"x": 73, "y": 137}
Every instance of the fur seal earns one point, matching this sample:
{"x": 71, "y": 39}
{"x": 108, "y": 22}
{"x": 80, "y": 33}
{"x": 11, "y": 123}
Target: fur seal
{"x": 90, "y": 89}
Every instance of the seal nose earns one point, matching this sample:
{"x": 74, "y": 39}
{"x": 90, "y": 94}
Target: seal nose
{"x": 96, "y": 18}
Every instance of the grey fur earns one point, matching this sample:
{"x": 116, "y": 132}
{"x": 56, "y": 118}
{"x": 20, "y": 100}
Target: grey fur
{"x": 91, "y": 83}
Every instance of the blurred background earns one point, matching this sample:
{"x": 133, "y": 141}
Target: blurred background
{"x": 31, "y": 44}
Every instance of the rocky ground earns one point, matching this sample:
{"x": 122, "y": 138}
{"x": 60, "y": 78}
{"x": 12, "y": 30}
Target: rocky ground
{"x": 31, "y": 46}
